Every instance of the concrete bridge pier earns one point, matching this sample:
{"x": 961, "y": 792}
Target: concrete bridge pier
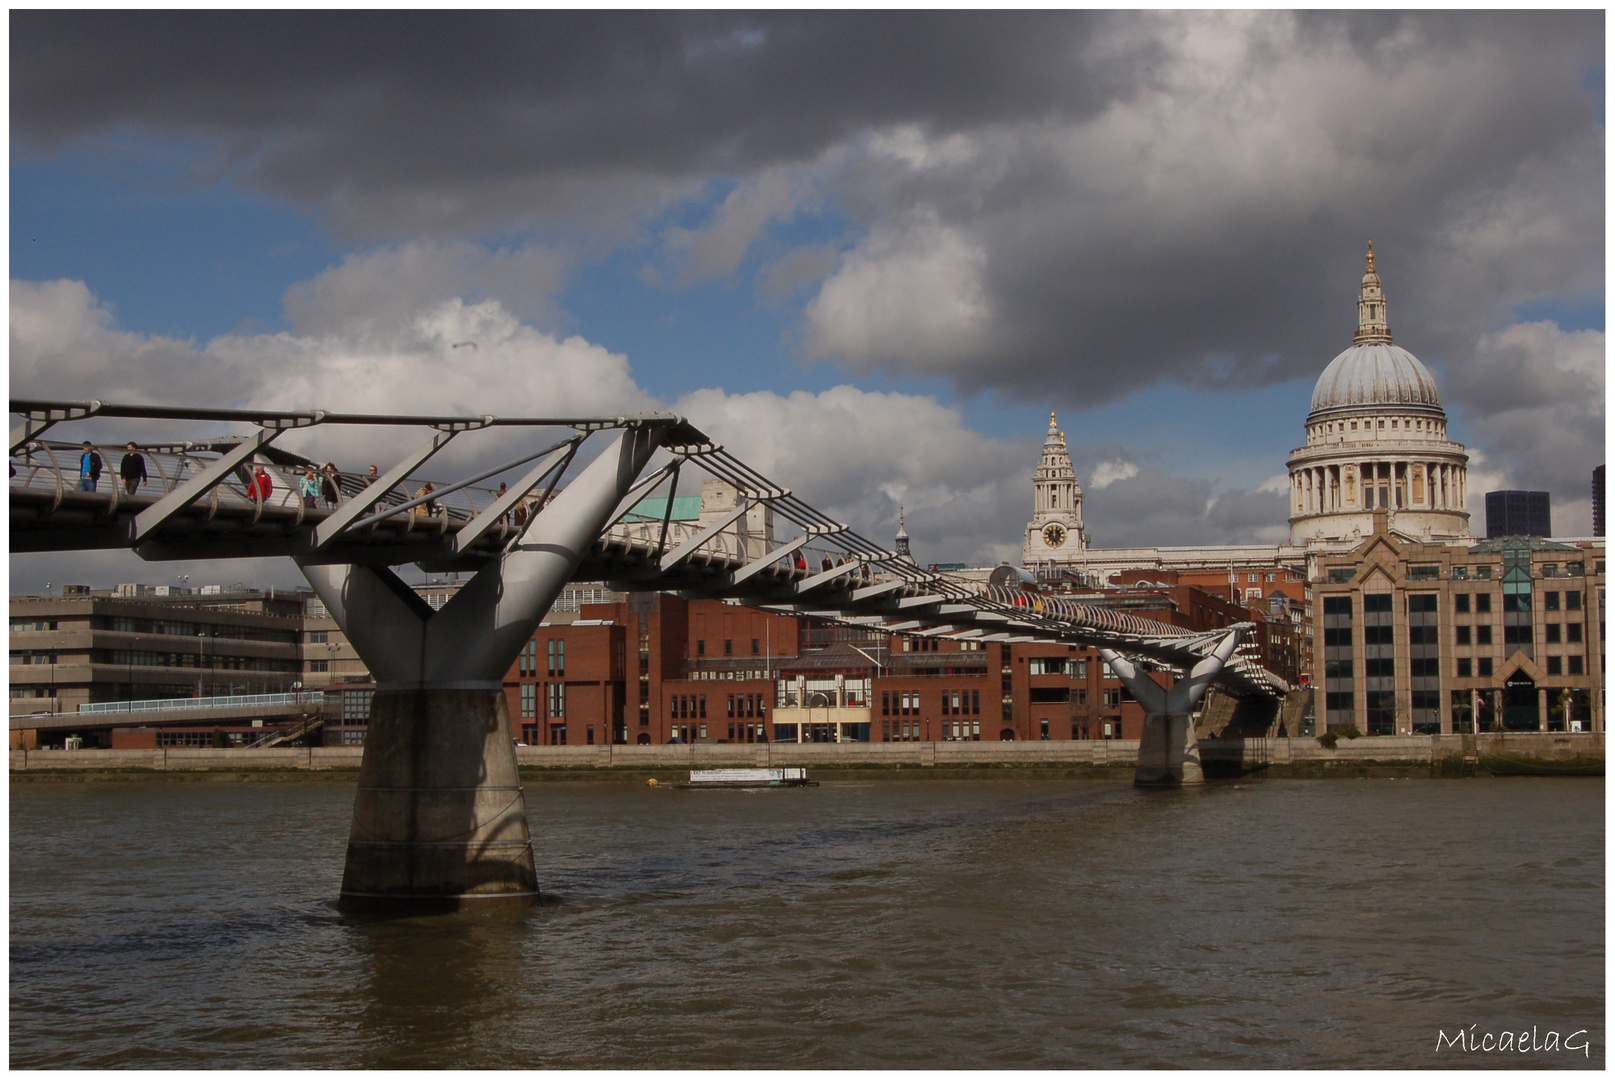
{"x": 439, "y": 820}
{"x": 1168, "y": 752}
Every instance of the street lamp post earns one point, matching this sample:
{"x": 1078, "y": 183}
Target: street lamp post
{"x": 201, "y": 642}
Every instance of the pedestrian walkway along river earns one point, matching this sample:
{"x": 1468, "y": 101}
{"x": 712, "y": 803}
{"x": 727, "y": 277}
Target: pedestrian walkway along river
{"x": 932, "y": 923}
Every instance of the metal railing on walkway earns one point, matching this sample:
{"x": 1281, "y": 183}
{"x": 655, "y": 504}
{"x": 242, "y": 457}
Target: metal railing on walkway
{"x": 231, "y": 701}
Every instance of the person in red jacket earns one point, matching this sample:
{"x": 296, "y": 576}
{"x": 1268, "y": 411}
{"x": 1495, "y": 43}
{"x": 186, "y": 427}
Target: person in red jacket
{"x": 261, "y": 484}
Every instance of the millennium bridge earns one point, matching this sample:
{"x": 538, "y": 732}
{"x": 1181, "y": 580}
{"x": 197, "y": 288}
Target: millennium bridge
{"x": 440, "y": 816}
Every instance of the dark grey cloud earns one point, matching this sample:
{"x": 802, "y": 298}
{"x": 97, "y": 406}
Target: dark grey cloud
{"x": 400, "y": 116}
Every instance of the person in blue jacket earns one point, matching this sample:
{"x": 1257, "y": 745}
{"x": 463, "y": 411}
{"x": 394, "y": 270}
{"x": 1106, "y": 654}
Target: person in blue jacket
{"x": 90, "y": 466}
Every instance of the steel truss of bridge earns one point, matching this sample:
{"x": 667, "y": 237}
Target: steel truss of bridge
{"x": 200, "y": 503}
{"x": 440, "y": 816}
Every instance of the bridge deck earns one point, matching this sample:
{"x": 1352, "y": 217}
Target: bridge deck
{"x": 806, "y": 576}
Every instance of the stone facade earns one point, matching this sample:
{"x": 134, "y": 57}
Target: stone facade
{"x": 1503, "y": 635}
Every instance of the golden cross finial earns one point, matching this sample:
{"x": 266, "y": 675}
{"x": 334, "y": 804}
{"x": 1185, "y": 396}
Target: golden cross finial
{"x": 1062, "y": 440}
{"x": 1051, "y": 419}
{"x": 1370, "y": 255}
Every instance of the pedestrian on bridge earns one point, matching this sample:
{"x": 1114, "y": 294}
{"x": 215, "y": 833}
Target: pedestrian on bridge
{"x": 310, "y": 489}
{"x": 429, "y": 508}
{"x": 90, "y": 466}
{"x": 330, "y": 489}
{"x": 261, "y": 485}
{"x": 132, "y": 469}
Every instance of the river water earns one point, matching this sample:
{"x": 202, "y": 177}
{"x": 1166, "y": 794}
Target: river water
{"x": 877, "y": 924}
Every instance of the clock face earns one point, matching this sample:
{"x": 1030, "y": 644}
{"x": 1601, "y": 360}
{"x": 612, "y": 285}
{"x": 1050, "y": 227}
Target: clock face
{"x": 1054, "y": 535}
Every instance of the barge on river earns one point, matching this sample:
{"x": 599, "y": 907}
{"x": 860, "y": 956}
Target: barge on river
{"x": 749, "y": 778}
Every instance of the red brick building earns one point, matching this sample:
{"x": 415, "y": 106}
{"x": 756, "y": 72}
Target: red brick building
{"x": 655, "y": 668}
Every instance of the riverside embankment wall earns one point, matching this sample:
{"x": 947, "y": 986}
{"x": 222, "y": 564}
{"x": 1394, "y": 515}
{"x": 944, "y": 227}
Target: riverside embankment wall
{"x": 1451, "y": 755}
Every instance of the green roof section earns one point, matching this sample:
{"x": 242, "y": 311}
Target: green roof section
{"x": 685, "y": 508}
{"x": 1518, "y": 543}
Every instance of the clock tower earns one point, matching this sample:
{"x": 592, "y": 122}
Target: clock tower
{"x": 1055, "y": 533}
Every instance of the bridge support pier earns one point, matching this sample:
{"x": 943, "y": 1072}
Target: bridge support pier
{"x": 1168, "y": 752}
{"x": 439, "y": 820}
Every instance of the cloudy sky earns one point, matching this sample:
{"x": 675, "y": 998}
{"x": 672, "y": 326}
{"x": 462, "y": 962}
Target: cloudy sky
{"x": 867, "y": 252}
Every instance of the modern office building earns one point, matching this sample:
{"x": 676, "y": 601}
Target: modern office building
{"x": 134, "y": 643}
{"x": 1518, "y": 513}
{"x": 1598, "y": 501}
{"x": 1505, "y": 634}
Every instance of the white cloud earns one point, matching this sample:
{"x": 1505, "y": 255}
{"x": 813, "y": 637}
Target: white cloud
{"x": 64, "y": 345}
{"x": 1108, "y": 472}
{"x": 857, "y": 455}
{"x": 385, "y": 286}
{"x": 911, "y": 291}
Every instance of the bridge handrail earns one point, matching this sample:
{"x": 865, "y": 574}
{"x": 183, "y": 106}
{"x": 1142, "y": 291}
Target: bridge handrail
{"x": 167, "y": 468}
{"x": 223, "y": 701}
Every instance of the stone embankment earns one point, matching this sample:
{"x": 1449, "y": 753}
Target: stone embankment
{"x": 1406, "y": 755}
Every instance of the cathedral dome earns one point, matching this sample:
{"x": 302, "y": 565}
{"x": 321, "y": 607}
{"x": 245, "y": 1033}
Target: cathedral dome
{"x": 1379, "y": 374}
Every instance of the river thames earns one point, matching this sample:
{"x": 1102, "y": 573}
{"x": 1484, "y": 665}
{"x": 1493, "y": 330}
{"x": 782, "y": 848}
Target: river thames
{"x": 879, "y": 924}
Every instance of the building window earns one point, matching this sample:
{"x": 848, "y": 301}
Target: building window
{"x": 1550, "y": 601}
{"x": 318, "y": 637}
{"x": 1483, "y": 667}
{"x": 1573, "y": 633}
{"x": 1575, "y": 665}
{"x": 529, "y": 700}
{"x": 1553, "y": 633}
{"x": 728, "y": 647}
{"x": 557, "y": 656}
{"x": 1483, "y": 634}
{"x": 1460, "y": 603}
{"x": 1483, "y": 603}
{"x": 755, "y": 649}
{"x": 1555, "y": 665}
{"x": 701, "y": 648}
{"x": 1381, "y": 712}
{"x": 1462, "y": 634}
{"x": 1572, "y": 601}
{"x": 319, "y": 665}
{"x": 557, "y": 700}
{"x": 1465, "y": 668}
